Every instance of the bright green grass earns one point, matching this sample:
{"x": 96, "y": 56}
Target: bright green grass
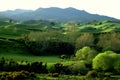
{"x": 104, "y": 27}
{"x": 31, "y": 58}
{"x": 12, "y": 32}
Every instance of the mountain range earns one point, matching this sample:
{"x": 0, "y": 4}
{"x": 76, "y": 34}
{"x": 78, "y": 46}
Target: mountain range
{"x": 54, "y": 14}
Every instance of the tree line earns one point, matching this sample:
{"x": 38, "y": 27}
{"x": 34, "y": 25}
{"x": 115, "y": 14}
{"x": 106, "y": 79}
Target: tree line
{"x": 59, "y": 42}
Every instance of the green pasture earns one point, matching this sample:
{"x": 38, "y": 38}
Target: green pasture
{"x": 30, "y": 58}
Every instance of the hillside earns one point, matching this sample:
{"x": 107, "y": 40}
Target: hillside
{"x": 54, "y": 14}
{"x": 100, "y": 26}
{"x": 19, "y": 29}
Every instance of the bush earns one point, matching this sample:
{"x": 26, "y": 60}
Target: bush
{"x": 104, "y": 61}
{"x": 92, "y": 73}
{"x": 51, "y": 68}
{"x": 107, "y": 74}
{"x": 16, "y": 75}
{"x": 55, "y": 74}
{"x": 11, "y": 65}
{"x": 107, "y": 61}
{"x": 38, "y": 67}
{"x": 78, "y": 68}
{"x": 58, "y": 67}
{"x": 86, "y": 53}
{"x": 55, "y": 68}
{"x": 106, "y": 78}
{"x": 117, "y": 63}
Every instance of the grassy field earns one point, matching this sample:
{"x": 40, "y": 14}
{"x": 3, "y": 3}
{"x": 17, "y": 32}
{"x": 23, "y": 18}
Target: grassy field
{"x": 16, "y": 51}
{"x": 31, "y": 58}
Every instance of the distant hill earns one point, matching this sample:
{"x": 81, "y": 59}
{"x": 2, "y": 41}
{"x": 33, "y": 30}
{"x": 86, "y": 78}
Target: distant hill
{"x": 54, "y": 14}
{"x": 100, "y": 26}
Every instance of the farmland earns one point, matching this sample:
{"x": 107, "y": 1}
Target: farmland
{"x": 51, "y": 51}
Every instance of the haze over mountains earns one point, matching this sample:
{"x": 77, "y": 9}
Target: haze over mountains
{"x": 54, "y": 14}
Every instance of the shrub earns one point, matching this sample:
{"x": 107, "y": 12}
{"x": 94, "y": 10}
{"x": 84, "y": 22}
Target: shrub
{"x": 78, "y": 68}
{"x": 51, "y": 68}
{"x": 92, "y": 73}
{"x": 106, "y": 78}
{"x": 38, "y": 67}
{"x": 107, "y": 74}
{"x": 55, "y": 68}
{"x": 11, "y": 65}
{"x": 104, "y": 61}
{"x": 55, "y": 74}
{"x": 86, "y": 53}
{"x": 117, "y": 63}
{"x": 63, "y": 56}
{"x": 107, "y": 61}
{"x": 58, "y": 67}
{"x": 16, "y": 75}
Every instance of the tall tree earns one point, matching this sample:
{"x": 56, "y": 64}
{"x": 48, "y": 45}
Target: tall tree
{"x": 86, "y": 39}
{"x": 72, "y": 31}
{"x": 109, "y": 41}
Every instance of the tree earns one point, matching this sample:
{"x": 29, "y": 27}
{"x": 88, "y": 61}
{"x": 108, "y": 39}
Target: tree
{"x": 10, "y": 21}
{"x": 86, "y": 53}
{"x": 52, "y": 23}
{"x": 86, "y": 39}
{"x": 48, "y": 43}
{"x": 72, "y": 32}
{"x": 104, "y": 61}
{"x": 109, "y": 41}
{"x": 117, "y": 63}
{"x": 107, "y": 60}
{"x": 78, "y": 68}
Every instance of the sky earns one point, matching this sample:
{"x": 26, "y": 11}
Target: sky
{"x": 103, "y": 7}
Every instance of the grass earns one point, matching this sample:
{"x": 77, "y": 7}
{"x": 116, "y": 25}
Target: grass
{"x": 73, "y": 77}
{"x": 105, "y": 26}
{"x": 16, "y": 51}
{"x": 61, "y": 77}
{"x": 115, "y": 76}
{"x": 31, "y": 58}
{"x": 11, "y": 50}
{"x": 12, "y": 32}
{"x": 16, "y": 30}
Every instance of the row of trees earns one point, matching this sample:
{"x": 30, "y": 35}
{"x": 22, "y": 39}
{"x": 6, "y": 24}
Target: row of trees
{"x": 49, "y": 43}
{"x": 59, "y": 42}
